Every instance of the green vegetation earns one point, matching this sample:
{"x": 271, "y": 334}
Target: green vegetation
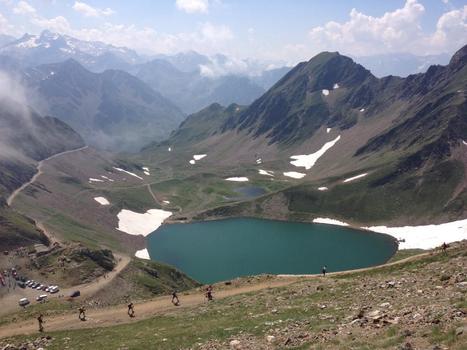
{"x": 16, "y": 230}
{"x": 405, "y": 253}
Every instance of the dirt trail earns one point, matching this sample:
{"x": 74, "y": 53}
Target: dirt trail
{"x": 117, "y": 315}
{"x": 39, "y": 172}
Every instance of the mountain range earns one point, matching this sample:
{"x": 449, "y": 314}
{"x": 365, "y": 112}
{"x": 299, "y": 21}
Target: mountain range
{"x": 402, "y": 137}
{"x": 112, "y": 110}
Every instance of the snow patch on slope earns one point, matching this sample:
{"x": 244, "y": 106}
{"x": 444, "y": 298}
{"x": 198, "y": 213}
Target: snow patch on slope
{"x": 237, "y": 179}
{"x": 329, "y": 222}
{"x": 294, "y": 174}
{"x": 355, "y": 177}
{"x": 199, "y": 156}
{"x": 266, "y": 172}
{"x": 308, "y": 160}
{"x": 143, "y": 254}
{"x": 141, "y": 224}
{"x": 325, "y": 92}
{"x": 102, "y": 200}
{"x": 128, "y": 172}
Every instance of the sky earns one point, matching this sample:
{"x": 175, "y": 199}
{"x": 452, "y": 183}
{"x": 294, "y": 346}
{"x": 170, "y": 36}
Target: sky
{"x": 276, "y": 30}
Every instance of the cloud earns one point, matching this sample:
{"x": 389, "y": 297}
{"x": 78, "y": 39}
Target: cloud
{"x": 451, "y": 30}
{"x": 363, "y": 34}
{"x": 207, "y": 37}
{"x": 193, "y": 6}
{"x": 396, "y": 31}
{"x": 89, "y": 11}
{"x": 5, "y": 26}
{"x": 23, "y": 8}
{"x": 57, "y": 24}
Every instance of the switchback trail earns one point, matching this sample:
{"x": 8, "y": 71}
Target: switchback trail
{"x": 38, "y": 173}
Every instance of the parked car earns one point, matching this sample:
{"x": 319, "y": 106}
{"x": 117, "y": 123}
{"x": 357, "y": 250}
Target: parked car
{"x": 75, "y": 294}
{"x": 42, "y": 297}
{"x": 53, "y": 289}
{"x": 23, "y": 302}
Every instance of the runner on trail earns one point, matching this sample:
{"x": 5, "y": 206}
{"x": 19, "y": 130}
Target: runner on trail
{"x": 131, "y": 310}
{"x": 209, "y": 293}
{"x": 40, "y": 319}
{"x": 82, "y": 313}
{"x": 175, "y": 299}
{"x": 323, "y": 271}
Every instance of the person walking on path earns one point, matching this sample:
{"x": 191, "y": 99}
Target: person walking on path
{"x": 323, "y": 270}
{"x": 131, "y": 310}
{"x": 209, "y": 293}
{"x": 40, "y": 319}
{"x": 82, "y": 313}
{"x": 444, "y": 247}
{"x": 175, "y": 299}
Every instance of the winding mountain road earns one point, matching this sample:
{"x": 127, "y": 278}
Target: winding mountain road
{"x": 12, "y": 197}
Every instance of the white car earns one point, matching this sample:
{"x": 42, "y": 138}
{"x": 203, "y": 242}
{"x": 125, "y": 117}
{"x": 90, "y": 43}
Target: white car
{"x": 53, "y": 289}
{"x": 42, "y": 297}
{"x": 23, "y": 302}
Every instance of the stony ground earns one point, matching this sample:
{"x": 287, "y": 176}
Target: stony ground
{"x": 420, "y": 304}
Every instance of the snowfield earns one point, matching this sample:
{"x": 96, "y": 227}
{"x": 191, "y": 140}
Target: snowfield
{"x": 336, "y": 86}
{"x": 237, "y": 179}
{"x": 425, "y": 237}
{"x": 308, "y": 160}
{"x": 294, "y": 174}
{"x": 328, "y": 130}
{"x": 416, "y": 237}
{"x": 91, "y": 179}
{"x": 322, "y": 188}
{"x": 146, "y": 171}
{"x": 166, "y": 202}
{"x": 192, "y": 161}
{"x": 141, "y": 224}
{"x": 143, "y": 254}
{"x": 102, "y": 200}
{"x": 465, "y": 143}
{"x": 129, "y": 173}
{"x": 266, "y": 172}
{"x": 355, "y": 177}
{"x": 362, "y": 109}
{"x": 325, "y": 92}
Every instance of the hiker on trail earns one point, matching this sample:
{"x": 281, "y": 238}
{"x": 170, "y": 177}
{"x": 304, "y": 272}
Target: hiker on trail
{"x": 444, "y": 247}
{"x": 323, "y": 271}
{"x": 131, "y": 310}
{"x": 40, "y": 319}
{"x": 175, "y": 299}
{"x": 209, "y": 293}
{"x": 82, "y": 313}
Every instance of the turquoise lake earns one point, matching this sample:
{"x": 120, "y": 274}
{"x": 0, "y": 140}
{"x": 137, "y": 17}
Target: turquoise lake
{"x": 213, "y": 251}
